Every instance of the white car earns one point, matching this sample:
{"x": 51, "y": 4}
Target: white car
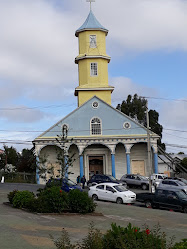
{"x": 112, "y": 192}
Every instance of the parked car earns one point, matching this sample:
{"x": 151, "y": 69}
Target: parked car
{"x": 112, "y": 192}
{"x": 177, "y": 178}
{"x": 173, "y": 185}
{"x": 157, "y": 178}
{"x": 170, "y": 199}
{"x": 95, "y": 179}
{"x": 66, "y": 184}
{"x": 133, "y": 180}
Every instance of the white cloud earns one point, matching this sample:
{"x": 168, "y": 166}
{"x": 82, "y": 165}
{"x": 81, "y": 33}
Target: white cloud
{"x": 146, "y": 25}
{"x": 125, "y": 86}
{"x": 22, "y": 115}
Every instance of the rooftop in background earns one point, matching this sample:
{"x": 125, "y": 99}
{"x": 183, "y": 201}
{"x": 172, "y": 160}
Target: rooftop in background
{"x": 91, "y": 23}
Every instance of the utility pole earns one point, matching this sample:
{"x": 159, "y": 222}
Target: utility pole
{"x": 149, "y": 148}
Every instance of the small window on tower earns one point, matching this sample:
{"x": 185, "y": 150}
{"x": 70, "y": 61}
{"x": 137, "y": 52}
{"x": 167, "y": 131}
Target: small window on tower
{"x": 93, "y": 69}
{"x": 93, "y": 43}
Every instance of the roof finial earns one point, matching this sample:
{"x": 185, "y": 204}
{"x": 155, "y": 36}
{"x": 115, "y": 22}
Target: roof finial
{"x": 90, "y": 3}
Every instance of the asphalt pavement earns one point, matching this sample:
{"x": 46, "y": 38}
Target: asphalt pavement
{"x": 24, "y": 230}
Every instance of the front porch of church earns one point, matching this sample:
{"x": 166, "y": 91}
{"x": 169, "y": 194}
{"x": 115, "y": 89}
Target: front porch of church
{"x": 116, "y": 156}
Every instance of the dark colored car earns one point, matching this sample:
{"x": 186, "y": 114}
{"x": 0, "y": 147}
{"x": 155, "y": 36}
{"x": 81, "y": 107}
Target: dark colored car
{"x": 133, "y": 180}
{"x": 177, "y": 178}
{"x": 66, "y": 184}
{"x": 95, "y": 179}
{"x": 169, "y": 199}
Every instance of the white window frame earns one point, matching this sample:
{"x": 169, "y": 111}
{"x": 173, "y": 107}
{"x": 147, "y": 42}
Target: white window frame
{"x": 93, "y": 42}
{"x": 94, "y": 72}
{"x": 91, "y": 125}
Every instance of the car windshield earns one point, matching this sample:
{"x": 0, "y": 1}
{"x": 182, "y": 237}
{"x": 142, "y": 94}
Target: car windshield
{"x": 184, "y": 180}
{"x": 182, "y": 195}
{"x": 181, "y": 183}
{"x": 69, "y": 182}
{"x": 120, "y": 188}
{"x": 112, "y": 178}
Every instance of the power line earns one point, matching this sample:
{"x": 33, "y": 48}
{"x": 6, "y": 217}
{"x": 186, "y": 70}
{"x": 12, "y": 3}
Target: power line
{"x": 167, "y": 99}
{"x": 35, "y": 107}
{"x": 41, "y": 131}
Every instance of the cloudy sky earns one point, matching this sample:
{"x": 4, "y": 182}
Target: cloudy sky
{"x": 147, "y": 41}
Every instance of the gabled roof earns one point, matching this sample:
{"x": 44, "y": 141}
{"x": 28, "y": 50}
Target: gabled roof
{"x": 91, "y": 23}
{"x": 112, "y": 120}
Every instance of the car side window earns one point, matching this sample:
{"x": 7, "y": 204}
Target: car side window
{"x": 160, "y": 177}
{"x": 128, "y": 176}
{"x": 105, "y": 178}
{"x": 100, "y": 187}
{"x": 173, "y": 183}
{"x": 93, "y": 177}
{"x": 165, "y": 182}
{"x": 172, "y": 195}
{"x": 98, "y": 177}
{"x": 108, "y": 188}
{"x": 160, "y": 193}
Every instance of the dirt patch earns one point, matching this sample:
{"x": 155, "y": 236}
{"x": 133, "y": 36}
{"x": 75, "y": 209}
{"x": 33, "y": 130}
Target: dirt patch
{"x": 38, "y": 241}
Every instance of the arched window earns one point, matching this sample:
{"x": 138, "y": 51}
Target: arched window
{"x": 95, "y": 126}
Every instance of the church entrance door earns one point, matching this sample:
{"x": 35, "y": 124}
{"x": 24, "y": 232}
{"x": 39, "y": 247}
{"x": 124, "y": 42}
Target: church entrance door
{"x": 95, "y": 165}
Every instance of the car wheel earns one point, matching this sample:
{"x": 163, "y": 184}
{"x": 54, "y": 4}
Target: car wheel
{"x": 119, "y": 200}
{"x": 148, "y": 204}
{"x": 94, "y": 197}
{"x": 144, "y": 186}
{"x": 185, "y": 209}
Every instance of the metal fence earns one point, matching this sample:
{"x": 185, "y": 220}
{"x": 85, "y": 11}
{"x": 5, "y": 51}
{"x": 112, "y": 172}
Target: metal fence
{"x": 20, "y": 177}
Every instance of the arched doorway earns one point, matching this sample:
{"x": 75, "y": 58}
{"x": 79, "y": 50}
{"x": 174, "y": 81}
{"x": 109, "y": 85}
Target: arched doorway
{"x": 95, "y": 165}
{"x": 97, "y": 160}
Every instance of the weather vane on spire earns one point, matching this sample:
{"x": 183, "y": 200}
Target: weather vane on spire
{"x": 90, "y": 3}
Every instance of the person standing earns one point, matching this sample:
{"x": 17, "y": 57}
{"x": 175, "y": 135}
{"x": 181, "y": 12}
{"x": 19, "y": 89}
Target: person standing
{"x": 79, "y": 180}
{"x": 83, "y": 180}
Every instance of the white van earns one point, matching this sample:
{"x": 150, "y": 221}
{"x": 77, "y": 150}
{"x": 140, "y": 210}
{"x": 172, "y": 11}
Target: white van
{"x": 157, "y": 178}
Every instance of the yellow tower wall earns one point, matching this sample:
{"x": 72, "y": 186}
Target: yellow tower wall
{"x": 84, "y": 43}
{"x": 84, "y": 96}
{"x": 86, "y": 80}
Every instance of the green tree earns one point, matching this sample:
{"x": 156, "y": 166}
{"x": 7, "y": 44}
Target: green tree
{"x": 12, "y": 156}
{"x": 27, "y": 161}
{"x": 184, "y": 162}
{"x": 181, "y": 153}
{"x": 135, "y": 107}
{"x": 2, "y": 160}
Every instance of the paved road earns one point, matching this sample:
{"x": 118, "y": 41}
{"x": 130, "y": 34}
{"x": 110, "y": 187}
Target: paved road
{"x": 23, "y": 230}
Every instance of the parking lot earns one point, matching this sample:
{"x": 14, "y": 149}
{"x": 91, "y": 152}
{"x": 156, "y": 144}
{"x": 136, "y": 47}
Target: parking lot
{"x": 20, "y": 229}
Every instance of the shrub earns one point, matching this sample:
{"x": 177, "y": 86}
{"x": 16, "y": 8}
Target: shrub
{"x": 11, "y": 196}
{"x": 54, "y": 182}
{"x": 181, "y": 245}
{"x": 93, "y": 240}
{"x": 118, "y": 237}
{"x": 50, "y": 200}
{"x": 132, "y": 237}
{"x": 23, "y": 199}
{"x": 80, "y": 202}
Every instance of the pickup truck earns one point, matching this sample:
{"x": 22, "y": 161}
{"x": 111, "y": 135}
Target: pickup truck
{"x": 169, "y": 199}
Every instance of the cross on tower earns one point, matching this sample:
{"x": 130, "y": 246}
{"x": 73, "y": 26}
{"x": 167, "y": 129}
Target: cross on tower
{"x": 90, "y": 3}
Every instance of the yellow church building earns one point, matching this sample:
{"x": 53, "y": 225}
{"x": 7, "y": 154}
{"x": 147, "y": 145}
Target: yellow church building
{"x": 104, "y": 140}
